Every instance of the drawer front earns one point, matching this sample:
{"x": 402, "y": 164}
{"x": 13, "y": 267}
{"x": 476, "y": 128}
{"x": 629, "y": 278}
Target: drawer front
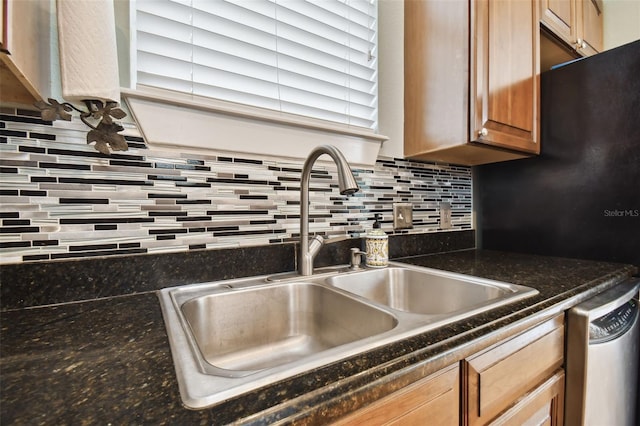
{"x": 496, "y": 378}
{"x": 432, "y": 400}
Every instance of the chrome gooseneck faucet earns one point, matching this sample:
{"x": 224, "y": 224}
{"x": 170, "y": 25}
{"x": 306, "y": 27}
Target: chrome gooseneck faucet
{"x": 348, "y": 186}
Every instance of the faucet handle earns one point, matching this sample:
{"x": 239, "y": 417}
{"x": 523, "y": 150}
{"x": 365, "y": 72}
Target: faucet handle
{"x": 315, "y": 245}
{"x": 356, "y": 259}
{"x": 318, "y": 241}
{"x": 336, "y": 239}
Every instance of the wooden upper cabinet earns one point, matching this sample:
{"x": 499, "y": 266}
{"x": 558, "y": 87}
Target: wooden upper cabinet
{"x": 590, "y": 26}
{"x": 25, "y": 58}
{"x": 471, "y": 80}
{"x": 3, "y": 25}
{"x": 560, "y": 17}
{"x": 578, "y": 23}
{"x": 505, "y": 90}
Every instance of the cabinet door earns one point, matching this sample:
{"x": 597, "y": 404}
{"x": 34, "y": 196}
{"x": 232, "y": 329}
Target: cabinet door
{"x": 3, "y": 25}
{"x": 25, "y": 73}
{"x": 432, "y": 400}
{"x": 590, "y": 26}
{"x": 542, "y": 406}
{"x": 436, "y": 75}
{"x": 498, "y": 377}
{"x": 504, "y": 95}
{"x": 560, "y": 17}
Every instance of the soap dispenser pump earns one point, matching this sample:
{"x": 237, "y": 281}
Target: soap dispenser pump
{"x": 377, "y": 243}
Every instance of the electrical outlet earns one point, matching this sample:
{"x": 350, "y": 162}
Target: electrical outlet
{"x": 445, "y": 216}
{"x": 402, "y": 215}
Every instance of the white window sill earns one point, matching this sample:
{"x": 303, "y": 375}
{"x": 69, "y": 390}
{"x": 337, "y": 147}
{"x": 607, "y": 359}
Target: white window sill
{"x": 173, "y": 120}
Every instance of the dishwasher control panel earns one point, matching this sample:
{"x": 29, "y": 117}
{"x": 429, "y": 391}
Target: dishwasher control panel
{"x": 613, "y": 324}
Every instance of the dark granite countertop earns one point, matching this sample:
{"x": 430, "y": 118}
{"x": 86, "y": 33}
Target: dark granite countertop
{"x": 108, "y": 361}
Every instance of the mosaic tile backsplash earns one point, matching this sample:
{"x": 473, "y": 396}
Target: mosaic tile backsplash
{"x": 61, "y": 199}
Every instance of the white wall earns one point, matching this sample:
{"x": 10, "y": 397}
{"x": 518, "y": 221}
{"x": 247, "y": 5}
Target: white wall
{"x": 123, "y": 34}
{"x": 621, "y": 22}
{"x": 391, "y": 76}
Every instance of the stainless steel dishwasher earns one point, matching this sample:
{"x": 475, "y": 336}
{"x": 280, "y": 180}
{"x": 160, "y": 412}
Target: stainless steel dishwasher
{"x": 603, "y": 352}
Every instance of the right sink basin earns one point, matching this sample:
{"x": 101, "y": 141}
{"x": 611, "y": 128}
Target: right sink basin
{"x": 428, "y": 292}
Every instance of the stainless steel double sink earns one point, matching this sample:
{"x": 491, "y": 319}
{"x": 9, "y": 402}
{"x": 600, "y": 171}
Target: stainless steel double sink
{"x": 230, "y": 337}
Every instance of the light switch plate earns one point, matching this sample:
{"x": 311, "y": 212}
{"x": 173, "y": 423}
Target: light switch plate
{"x": 445, "y": 216}
{"x": 402, "y": 215}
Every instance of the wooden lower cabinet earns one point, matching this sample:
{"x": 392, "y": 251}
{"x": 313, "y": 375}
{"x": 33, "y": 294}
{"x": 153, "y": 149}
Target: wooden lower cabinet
{"x": 500, "y": 378}
{"x": 434, "y": 400}
{"x": 518, "y": 381}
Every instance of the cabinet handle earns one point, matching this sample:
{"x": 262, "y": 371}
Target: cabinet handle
{"x": 483, "y": 132}
{"x": 580, "y": 44}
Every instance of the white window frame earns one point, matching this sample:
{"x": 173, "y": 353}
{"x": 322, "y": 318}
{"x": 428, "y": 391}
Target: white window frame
{"x": 185, "y": 122}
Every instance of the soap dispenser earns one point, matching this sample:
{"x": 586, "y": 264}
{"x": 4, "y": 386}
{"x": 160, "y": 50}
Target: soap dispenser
{"x": 377, "y": 243}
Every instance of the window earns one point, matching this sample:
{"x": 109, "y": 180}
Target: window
{"x": 313, "y": 58}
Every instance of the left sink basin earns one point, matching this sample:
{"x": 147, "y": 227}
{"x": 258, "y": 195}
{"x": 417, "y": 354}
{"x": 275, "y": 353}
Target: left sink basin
{"x": 235, "y": 336}
{"x": 240, "y": 332}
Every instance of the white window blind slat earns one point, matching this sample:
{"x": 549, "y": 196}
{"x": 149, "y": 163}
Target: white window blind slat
{"x": 155, "y": 80}
{"x": 235, "y": 80}
{"x": 156, "y": 45}
{"x": 334, "y": 21}
{"x": 164, "y": 66}
{"x": 217, "y": 51}
{"x": 313, "y": 58}
{"x": 303, "y": 40}
{"x": 234, "y": 21}
{"x": 243, "y": 9}
{"x": 307, "y": 69}
{"x": 230, "y": 95}
{"x": 177, "y": 31}
{"x": 171, "y": 10}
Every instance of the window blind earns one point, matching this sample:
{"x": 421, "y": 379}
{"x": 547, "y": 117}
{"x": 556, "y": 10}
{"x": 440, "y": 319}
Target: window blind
{"x": 315, "y": 58}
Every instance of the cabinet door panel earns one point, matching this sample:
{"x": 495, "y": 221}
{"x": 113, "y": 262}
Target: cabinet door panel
{"x": 3, "y": 25}
{"x": 506, "y": 81}
{"x": 590, "y": 23}
{"x": 432, "y": 400}
{"x": 560, "y": 17}
{"x": 495, "y": 379}
{"x": 25, "y": 72}
{"x": 436, "y": 89}
{"x": 510, "y": 77}
{"x": 542, "y": 406}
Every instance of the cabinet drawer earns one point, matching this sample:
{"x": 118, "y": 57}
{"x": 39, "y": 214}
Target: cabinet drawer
{"x": 432, "y": 400}
{"x": 496, "y": 378}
